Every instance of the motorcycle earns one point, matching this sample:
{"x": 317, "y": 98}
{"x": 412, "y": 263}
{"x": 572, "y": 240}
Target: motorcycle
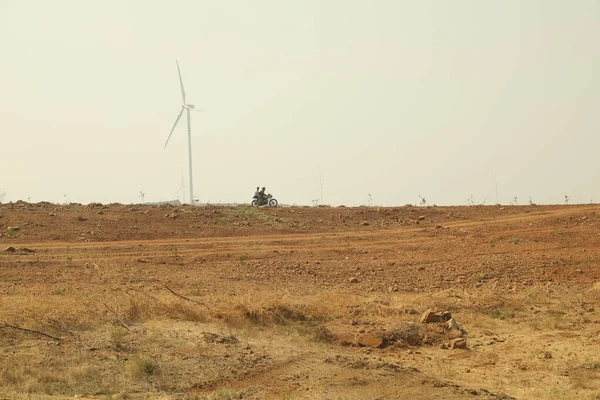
{"x": 267, "y": 200}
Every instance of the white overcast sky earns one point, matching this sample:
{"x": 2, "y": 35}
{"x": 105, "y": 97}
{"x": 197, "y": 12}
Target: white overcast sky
{"x": 390, "y": 98}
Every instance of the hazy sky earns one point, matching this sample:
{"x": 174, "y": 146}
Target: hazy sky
{"x": 393, "y": 98}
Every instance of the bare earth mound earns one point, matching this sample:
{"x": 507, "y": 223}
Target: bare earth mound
{"x": 115, "y": 301}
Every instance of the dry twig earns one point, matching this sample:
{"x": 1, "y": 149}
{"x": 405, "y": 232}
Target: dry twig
{"x": 5, "y": 325}
{"x": 185, "y": 298}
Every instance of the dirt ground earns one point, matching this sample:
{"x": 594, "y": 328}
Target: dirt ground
{"x": 127, "y": 302}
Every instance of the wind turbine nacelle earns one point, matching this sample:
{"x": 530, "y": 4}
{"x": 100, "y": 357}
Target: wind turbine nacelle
{"x": 188, "y": 106}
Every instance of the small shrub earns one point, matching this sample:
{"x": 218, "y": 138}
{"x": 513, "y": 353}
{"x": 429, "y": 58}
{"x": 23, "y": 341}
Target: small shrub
{"x": 257, "y": 317}
{"x": 117, "y": 334}
{"x": 134, "y": 311}
{"x": 282, "y": 315}
{"x": 407, "y": 334}
{"x": 278, "y": 315}
{"x": 197, "y": 288}
{"x": 323, "y": 335}
{"x": 142, "y": 367}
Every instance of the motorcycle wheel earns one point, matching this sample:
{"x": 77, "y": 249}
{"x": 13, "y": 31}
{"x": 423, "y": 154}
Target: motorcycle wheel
{"x": 273, "y": 203}
{"x": 254, "y": 203}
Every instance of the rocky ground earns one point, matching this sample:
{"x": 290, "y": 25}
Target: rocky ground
{"x": 116, "y": 301}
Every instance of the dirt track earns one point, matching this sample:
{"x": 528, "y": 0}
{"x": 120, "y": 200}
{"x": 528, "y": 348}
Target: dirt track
{"x": 289, "y": 285}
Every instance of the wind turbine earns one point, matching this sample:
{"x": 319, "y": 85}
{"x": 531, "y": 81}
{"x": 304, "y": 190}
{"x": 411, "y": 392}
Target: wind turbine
{"x": 185, "y": 107}
{"x": 181, "y": 188}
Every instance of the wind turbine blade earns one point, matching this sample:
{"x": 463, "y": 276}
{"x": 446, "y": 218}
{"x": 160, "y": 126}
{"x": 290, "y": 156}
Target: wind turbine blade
{"x": 181, "y": 82}
{"x": 174, "y": 125}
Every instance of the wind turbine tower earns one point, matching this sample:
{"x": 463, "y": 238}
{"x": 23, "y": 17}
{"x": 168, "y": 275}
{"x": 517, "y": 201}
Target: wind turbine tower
{"x": 185, "y": 107}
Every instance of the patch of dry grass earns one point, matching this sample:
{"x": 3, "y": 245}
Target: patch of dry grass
{"x": 31, "y": 373}
{"x": 131, "y": 329}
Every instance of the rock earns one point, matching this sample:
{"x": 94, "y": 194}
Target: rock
{"x": 353, "y": 280}
{"x": 438, "y": 227}
{"x": 369, "y": 340}
{"x": 429, "y": 316}
{"x": 26, "y": 250}
{"x": 444, "y": 316}
{"x": 365, "y": 223}
{"x": 80, "y": 218}
{"x": 459, "y": 343}
{"x": 14, "y": 228}
{"x": 52, "y": 215}
{"x": 10, "y": 249}
{"x": 453, "y": 325}
{"x": 547, "y": 355}
{"x": 100, "y": 212}
{"x": 362, "y": 339}
{"x": 421, "y": 217}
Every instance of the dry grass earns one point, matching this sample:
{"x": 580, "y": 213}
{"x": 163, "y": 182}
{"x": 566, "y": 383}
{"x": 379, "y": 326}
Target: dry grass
{"x": 30, "y": 373}
{"x": 96, "y": 322}
{"x": 151, "y": 340}
{"x": 226, "y": 394}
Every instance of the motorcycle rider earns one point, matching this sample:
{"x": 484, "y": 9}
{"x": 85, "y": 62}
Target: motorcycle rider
{"x": 256, "y": 194}
{"x": 262, "y": 194}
